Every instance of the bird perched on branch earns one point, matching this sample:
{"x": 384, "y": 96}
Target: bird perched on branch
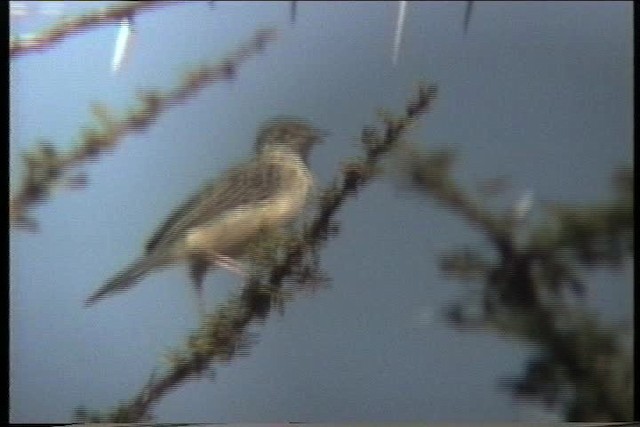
{"x": 215, "y": 226}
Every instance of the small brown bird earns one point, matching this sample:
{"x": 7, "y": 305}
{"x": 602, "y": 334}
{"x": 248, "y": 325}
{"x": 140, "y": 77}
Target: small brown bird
{"x": 215, "y": 226}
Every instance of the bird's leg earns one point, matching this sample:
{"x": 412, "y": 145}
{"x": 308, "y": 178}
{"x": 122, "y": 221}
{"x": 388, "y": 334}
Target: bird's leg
{"x": 224, "y": 261}
{"x": 199, "y": 303}
{"x": 197, "y": 271}
{"x": 230, "y": 264}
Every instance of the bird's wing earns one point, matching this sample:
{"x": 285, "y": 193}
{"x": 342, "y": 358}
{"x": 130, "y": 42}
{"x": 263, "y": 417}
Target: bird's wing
{"x": 255, "y": 181}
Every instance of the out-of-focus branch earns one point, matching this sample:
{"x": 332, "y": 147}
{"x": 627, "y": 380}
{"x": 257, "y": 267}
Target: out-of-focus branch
{"x": 19, "y": 46}
{"x": 582, "y": 367}
{"x": 225, "y": 334}
{"x": 47, "y": 169}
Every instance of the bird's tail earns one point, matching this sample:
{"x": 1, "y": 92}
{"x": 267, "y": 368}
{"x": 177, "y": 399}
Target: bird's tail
{"x": 125, "y": 279}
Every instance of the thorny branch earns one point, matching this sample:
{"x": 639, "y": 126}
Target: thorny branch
{"x": 47, "y": 39}
{"x": 226, "y": 334}
{"x": 582, "y": 367}
{"x": 47, "y": 169}
{"x": 575, "y": 349}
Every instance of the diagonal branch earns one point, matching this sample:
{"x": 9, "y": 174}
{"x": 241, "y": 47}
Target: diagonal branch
{"x": 66, "y": 27}
{"x": 47, "y": 169}
{"x": 226, "y": 334}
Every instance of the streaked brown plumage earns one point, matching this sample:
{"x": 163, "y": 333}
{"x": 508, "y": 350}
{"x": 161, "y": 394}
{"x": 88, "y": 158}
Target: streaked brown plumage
{"x": 216, "y": 224}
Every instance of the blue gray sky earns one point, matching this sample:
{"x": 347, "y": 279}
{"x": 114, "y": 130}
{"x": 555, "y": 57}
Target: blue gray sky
{"x": 539, "y": 91}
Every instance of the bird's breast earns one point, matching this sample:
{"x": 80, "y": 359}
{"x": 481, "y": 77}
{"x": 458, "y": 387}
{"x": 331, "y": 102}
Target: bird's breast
{"x": 230, "y": 233}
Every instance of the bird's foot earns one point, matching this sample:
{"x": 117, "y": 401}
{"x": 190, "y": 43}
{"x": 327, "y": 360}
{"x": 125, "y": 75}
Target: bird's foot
{"x": 229, "y": 264}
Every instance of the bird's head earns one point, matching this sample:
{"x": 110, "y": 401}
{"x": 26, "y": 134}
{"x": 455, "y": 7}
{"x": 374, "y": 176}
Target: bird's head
{"x": 288, "y": 133}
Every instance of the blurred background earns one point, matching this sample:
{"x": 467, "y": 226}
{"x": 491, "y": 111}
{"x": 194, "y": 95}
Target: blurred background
{"x": 539, "y": 92}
